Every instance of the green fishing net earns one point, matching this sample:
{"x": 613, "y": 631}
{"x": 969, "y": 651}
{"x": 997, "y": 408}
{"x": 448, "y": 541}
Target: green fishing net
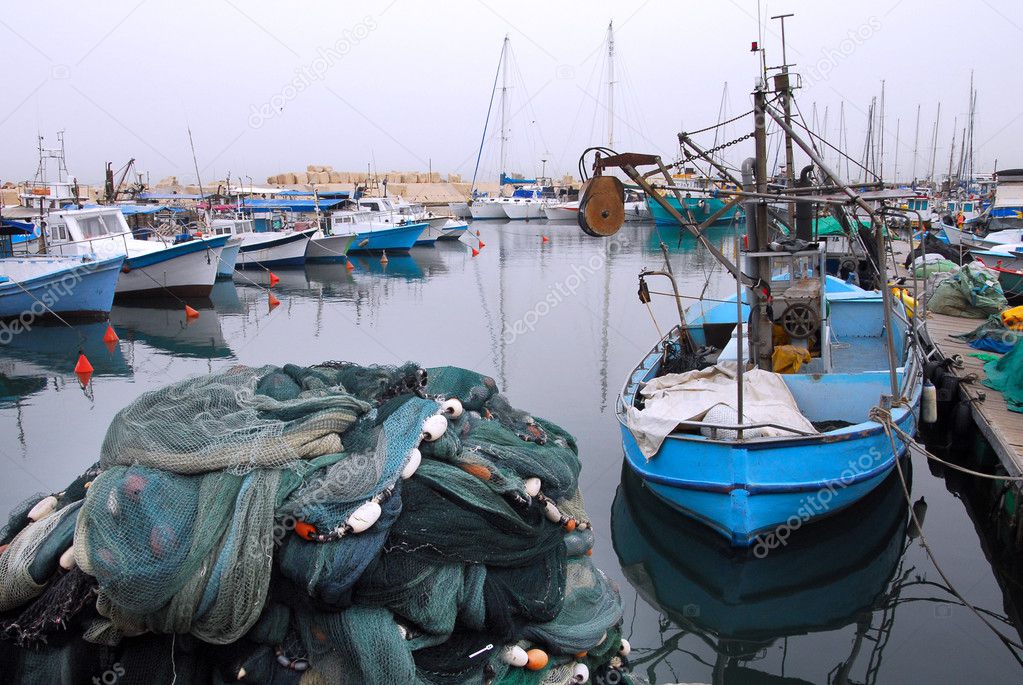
{"x": 1006, "y": 376}
{"x": 275, "y": 525}
{"x": 972, "y": 291}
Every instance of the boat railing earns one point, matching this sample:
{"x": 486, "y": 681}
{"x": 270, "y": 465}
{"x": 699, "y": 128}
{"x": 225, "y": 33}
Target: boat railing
{"x": 54, "y": 247}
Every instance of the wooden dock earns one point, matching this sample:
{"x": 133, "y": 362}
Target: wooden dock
{"x": 1002, "y": 428}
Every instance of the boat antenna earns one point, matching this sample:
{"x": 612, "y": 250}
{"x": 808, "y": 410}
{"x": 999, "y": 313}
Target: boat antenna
{"x": 490, "y": 107}
{"x": 782, "y": 84}
{"x": 209, "y": 205}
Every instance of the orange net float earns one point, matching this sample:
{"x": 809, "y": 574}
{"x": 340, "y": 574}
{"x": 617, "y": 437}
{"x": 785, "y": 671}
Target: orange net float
{"x": 536, "y": 659}
{"x": 306, "y": 531}
{"x": 478, "y": 470}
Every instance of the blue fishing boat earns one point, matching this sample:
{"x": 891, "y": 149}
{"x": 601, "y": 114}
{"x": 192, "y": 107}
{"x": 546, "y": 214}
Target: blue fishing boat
{"x": 701, "y": 208}
{"x": 781, "y": 473}
{"x": 789, "y": 401}
{"x": 41, "y": 286}
{"x": 387, "y": 237}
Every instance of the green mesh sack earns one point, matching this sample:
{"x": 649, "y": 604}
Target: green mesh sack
{"x": 972, "y": 292}
{"x": 1006, "y": 376}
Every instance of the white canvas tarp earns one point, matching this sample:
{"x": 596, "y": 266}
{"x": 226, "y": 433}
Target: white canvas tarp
{"x": 678, "y": 397}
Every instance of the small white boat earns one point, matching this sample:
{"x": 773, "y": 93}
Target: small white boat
{"x": 151, "y": 267}
{"x": 229, "y": 256}
{"x": 274, "y": 248}
{"x": 328, "y": 248}
{"x": 488, "y": 208}
{"x": 563, "y": 211}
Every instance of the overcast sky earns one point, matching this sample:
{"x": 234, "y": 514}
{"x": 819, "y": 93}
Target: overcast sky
{"x": 272, "y": 86}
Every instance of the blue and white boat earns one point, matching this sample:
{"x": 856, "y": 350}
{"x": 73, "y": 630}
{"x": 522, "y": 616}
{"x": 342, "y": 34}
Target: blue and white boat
{"x": 781, "y": 472}
{"x": 375, "y": 236}
{"x": 151, "y": 268}
{"x": 41, "y": 286}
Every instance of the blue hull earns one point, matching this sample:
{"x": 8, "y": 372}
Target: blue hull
{"x": 85, "y": 291}
{"x": 397, "y": 239}
{"x": 701, "y": 207}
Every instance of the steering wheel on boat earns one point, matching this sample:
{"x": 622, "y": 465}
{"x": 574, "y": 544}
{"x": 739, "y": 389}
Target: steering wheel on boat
{"x": 800, "y": 321}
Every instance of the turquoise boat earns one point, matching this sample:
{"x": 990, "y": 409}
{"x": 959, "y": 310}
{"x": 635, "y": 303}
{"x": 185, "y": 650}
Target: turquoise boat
{"x": 701, "y": 207}
{"x": 782, "y": 473}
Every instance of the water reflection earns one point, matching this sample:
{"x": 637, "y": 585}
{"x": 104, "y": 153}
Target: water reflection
{"x": 845, "y": 571}
{"x": 163, "y": 327}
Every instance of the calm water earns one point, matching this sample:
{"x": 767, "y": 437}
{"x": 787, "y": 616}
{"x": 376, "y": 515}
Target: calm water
{"x": 559, "y": 326}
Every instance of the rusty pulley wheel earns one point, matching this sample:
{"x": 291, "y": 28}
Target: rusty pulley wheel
{"x": 602, "y": 206}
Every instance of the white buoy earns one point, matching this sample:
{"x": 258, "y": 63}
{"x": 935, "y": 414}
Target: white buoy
{"x": 532, "y": 486}
{"x": 929, "y": 403}
{"x": 364, "y": 517}
{"x": 513, "y": 655}
{"x": 403, "y": 631}
{"x": 626, "y": 648}
{"x": 434, "y": 427}
{"x": 552, "y": 512}
{"x": 113, "y": 506}
{"x": 581, "y": 673}
{"x": 43, "y": 508}
{"x": 452, "y": 408}
{"x": 242, "y": 673}
{"x": 67, "y": 559}
{"x": 415, "y": 458}
{"x": 602, "y": 638}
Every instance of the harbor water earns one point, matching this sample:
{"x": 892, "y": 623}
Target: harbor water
{"x": 855, "y": 598}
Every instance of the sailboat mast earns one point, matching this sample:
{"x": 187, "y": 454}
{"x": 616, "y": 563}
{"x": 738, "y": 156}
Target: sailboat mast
{"x": 880, "y": 126}
{"x": 951, "y": 152}
{"x": 504, "y": 107}
{"x": 916, "y": 143}
{"x": 610, "y": 85}
{"x": 934, "y": 142}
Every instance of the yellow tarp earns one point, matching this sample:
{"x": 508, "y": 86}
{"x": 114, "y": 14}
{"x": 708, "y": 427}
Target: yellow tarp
{"x": 789, "y": 358}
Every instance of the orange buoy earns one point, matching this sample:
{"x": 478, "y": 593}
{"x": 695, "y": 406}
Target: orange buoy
{"x": 304, "y": 530}
{"x": 536, "y": 659}
{"x": 478, "y": 470}
{"x": 110, "y": 336}
{"x": 570, "y": 525}
{"x": 581, "y": 655}
{"x": 273, "y": 301}
{"x": 545, "y": 239}
{"x": 482, "y": 244}
{"x": 477, "y": 233}
{"x": 589, "y": 552}
{"x": 475, "y": 252}
{"x": 274, "y": 280}
{"x": 83, "y": 369}
{"x": 383, "y": 257}
{"x": 349, "y": 265}
{"x": 191, "y": 313}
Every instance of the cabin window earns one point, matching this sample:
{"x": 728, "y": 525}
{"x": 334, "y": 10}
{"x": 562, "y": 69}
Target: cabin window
{"x": 93, "y": 226}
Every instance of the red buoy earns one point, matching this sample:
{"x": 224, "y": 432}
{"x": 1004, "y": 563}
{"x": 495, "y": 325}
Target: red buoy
{"x": 191, "y": 313}
{"x": 545, "y": 239}
{"x": 83, "y": 369}
{"x": 110, "y": 336}
{"x": 475, "y": 252}
{"x": 274, "y": 280}
{"x": 273, "y": 301}
{"x": 349, "y": 266}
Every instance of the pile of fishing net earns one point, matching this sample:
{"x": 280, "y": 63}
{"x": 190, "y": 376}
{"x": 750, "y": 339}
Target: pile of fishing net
{"x": 972, "y": 291}
{"x": 325, "y": 524}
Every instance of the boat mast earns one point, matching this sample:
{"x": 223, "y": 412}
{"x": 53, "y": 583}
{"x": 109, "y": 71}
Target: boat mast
{"x": 504, "y": 108}
{"x": 786, "y": 97}
{"x": 916, "y": 142}
{"x": 895, "y": 165}
{"x": 934, "y": 142}
{"x": 486, "y": 124}
{"x": 611, "y": 85}
{"x": 880, "y": 127}
{"x": 951, "y": 153}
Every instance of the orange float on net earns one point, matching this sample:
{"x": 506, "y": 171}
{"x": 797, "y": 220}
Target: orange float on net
{"x": 570, "y": 525}
{"x": 478, "y": 470}
{"x": 536, "y": 659}
{"x": 306, "y": 531}
{"x": 581, "y": 655}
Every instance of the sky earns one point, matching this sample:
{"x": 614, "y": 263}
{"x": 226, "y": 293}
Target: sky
{"x": 269, "y": 87}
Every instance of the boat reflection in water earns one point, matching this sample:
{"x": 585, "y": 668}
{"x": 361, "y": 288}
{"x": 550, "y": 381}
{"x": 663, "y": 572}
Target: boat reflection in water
{"x": 163, "y": 326}
{"x": 48, "y": 351}
{"x": 839, "y": 572}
